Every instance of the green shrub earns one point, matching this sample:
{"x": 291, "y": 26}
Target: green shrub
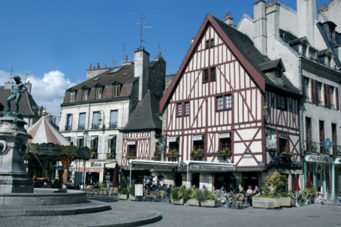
{"x": 182, "y": 192}
{"x": 208, "y": 195}
{"x": 274, "y": 185}
{"x": 175, "y": 193}
{"x": 193, "y": 194}
{"x": 132, "y": 188}
{"x": 200, "y": 195}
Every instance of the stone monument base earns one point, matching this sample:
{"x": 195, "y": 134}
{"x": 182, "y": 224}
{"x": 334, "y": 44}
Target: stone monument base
{"x": 10, "y": 183}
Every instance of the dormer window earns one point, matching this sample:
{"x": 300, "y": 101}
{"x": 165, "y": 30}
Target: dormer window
{"x": 99, "y": 92}
{"x": 72, "y": 96}
{"x": 116, "y": 89}
{"x": 85, "y": 94}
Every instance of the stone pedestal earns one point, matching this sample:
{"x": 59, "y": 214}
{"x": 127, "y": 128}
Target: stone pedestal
{"x": 13, "y": 145}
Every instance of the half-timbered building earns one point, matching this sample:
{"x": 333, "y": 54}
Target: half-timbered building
{"x": 224, "y": 103}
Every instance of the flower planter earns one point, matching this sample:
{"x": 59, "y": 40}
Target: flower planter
{"x": 178, "y": 202}
{"x": 285, "y": 201}
{"x": 266, "y": 203}
{"x": 132, "y": 198}
{"x": 122, "y": 196}
{"x": 193, "y": 202}
{"x": 208, "y": 203}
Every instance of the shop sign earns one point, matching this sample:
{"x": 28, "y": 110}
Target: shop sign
{"x": 337, "y": 161}
{"x": 318, "y": 158}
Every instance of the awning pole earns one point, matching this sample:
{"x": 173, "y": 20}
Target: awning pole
{"x": 130, "y": 164}
{"x": 188, "y": 176}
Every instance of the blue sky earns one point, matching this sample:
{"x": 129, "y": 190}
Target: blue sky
{"x": 53, "y": 42}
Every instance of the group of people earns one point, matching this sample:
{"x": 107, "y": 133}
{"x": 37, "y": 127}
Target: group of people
{"x": 239, "y": 195}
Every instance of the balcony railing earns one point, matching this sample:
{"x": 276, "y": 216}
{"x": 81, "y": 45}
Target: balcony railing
{"x": 316, "y": 147}
{"x": 81, "y": 127}
{"x": 336, "y": 150}
{"x": 95, "y": 126}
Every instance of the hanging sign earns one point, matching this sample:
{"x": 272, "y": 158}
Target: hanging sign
{"x": 318, "y": 158}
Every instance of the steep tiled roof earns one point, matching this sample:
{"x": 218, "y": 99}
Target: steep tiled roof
{"x": 246, "y": 53}
{"x": 145, "y": 115}
{"x": 26, "y": 104}
{"x": 123, "y": 75}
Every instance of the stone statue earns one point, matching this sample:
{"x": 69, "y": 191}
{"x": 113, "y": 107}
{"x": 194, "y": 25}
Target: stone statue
{"x": 17, "y": 88}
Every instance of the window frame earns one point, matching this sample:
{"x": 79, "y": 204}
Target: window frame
{"x": 68, "y": 122}
{"x": 81, "y": 127}
{"x": 113, "y": 124}
{"x": 224, "y": 106}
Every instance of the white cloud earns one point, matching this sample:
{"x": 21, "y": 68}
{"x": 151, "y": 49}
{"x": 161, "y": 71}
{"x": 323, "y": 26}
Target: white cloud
{"x": 49, "y": 90}
{"x": 4, "y": 76}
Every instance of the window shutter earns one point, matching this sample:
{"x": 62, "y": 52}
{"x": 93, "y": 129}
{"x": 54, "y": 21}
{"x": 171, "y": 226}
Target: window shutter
{"x": 314, "y": 89}
{"x": 337, "y": 98}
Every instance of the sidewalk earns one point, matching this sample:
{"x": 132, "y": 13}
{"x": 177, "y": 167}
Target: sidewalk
{"x": 122, "y": 214}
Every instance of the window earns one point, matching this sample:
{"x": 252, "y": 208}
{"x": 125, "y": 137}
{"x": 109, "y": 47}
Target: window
{"x": 223, "y": 102}
{"x": 99, "y": 92}
{"x": 206, "y": 75}
{"x": 329, "y": 96}
{"x": 68, "y": 125}
{"x": 283, "y": 145}
{"x": 334, "y": 137}
{"x": 94, "y": 146}
{"x": 281, "y": 102}
{"x": 112, "y": 147}
{"x": 116, "y": 90}
{"x": 179, "y": 110}
{"x": 198, "y": 148}
{"x": 322, "y": 137}
{"x": 81, "y": 122}
{"x": 187, "y": 109}
{"x": 72, "y": 96}
{"x": 131, "y": 151}
{"x": 225, "y": 145}
{"x": 85, "y": 94}
{"x": 209, "y": 75}
{"x": 95, "y": 120}
{"x": 209, "y": 43}
{"x": 319, "y": 94}
{"x": 113, "y": 119}
{"x": 80, "y": 142}
{"x": 198, "y": 144}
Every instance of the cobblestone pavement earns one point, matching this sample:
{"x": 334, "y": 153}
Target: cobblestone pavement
{"x": 311, "y": 215}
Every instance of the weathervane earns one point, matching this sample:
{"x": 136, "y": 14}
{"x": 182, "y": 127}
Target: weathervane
{"x": 142, "y": 26}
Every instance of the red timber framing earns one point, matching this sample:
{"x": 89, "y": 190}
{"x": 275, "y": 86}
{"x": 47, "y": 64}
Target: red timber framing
{"x": 243, "y": 122}
{"x": 142, "y": 140}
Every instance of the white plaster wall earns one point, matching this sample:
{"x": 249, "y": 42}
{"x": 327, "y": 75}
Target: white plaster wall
{"x": 332, "y": 13}
{"x": 288, "y": 19}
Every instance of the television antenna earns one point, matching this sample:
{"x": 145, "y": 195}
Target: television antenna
{"x": 143, "y": 25}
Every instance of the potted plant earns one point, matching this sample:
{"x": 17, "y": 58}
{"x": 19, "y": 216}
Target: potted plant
{"x": 224, "y": 152}
{"x": 179, "y": 195}
{"x": 209, "y": 199}
{"x": 310, "y": 194}
{"x": 273, "y": 190}
{"x": 123, "y": 189}
{"x": 193, "y": 200}
{"x": 173, "y": 152}
{"x": 198, "y": 152}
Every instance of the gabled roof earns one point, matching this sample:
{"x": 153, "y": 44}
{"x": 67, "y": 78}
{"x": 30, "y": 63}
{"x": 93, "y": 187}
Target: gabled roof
{"x": 145, "y": 114}
{"x": 242, "y": 48}
{"x": 44, "y": 132}
{"x": 27, "y": 105}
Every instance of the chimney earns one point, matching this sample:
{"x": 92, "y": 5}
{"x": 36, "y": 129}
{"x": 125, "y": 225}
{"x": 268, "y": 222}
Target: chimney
{"x": 272, "y": 19}
{"x": 306, "y": 16}
{"x": 28, "y": 85}
{"x": 93, "y": 71}
{"x": 141, "y": 70}
{"x": 228, "y": 19}
{"x": 260, "y": 38}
